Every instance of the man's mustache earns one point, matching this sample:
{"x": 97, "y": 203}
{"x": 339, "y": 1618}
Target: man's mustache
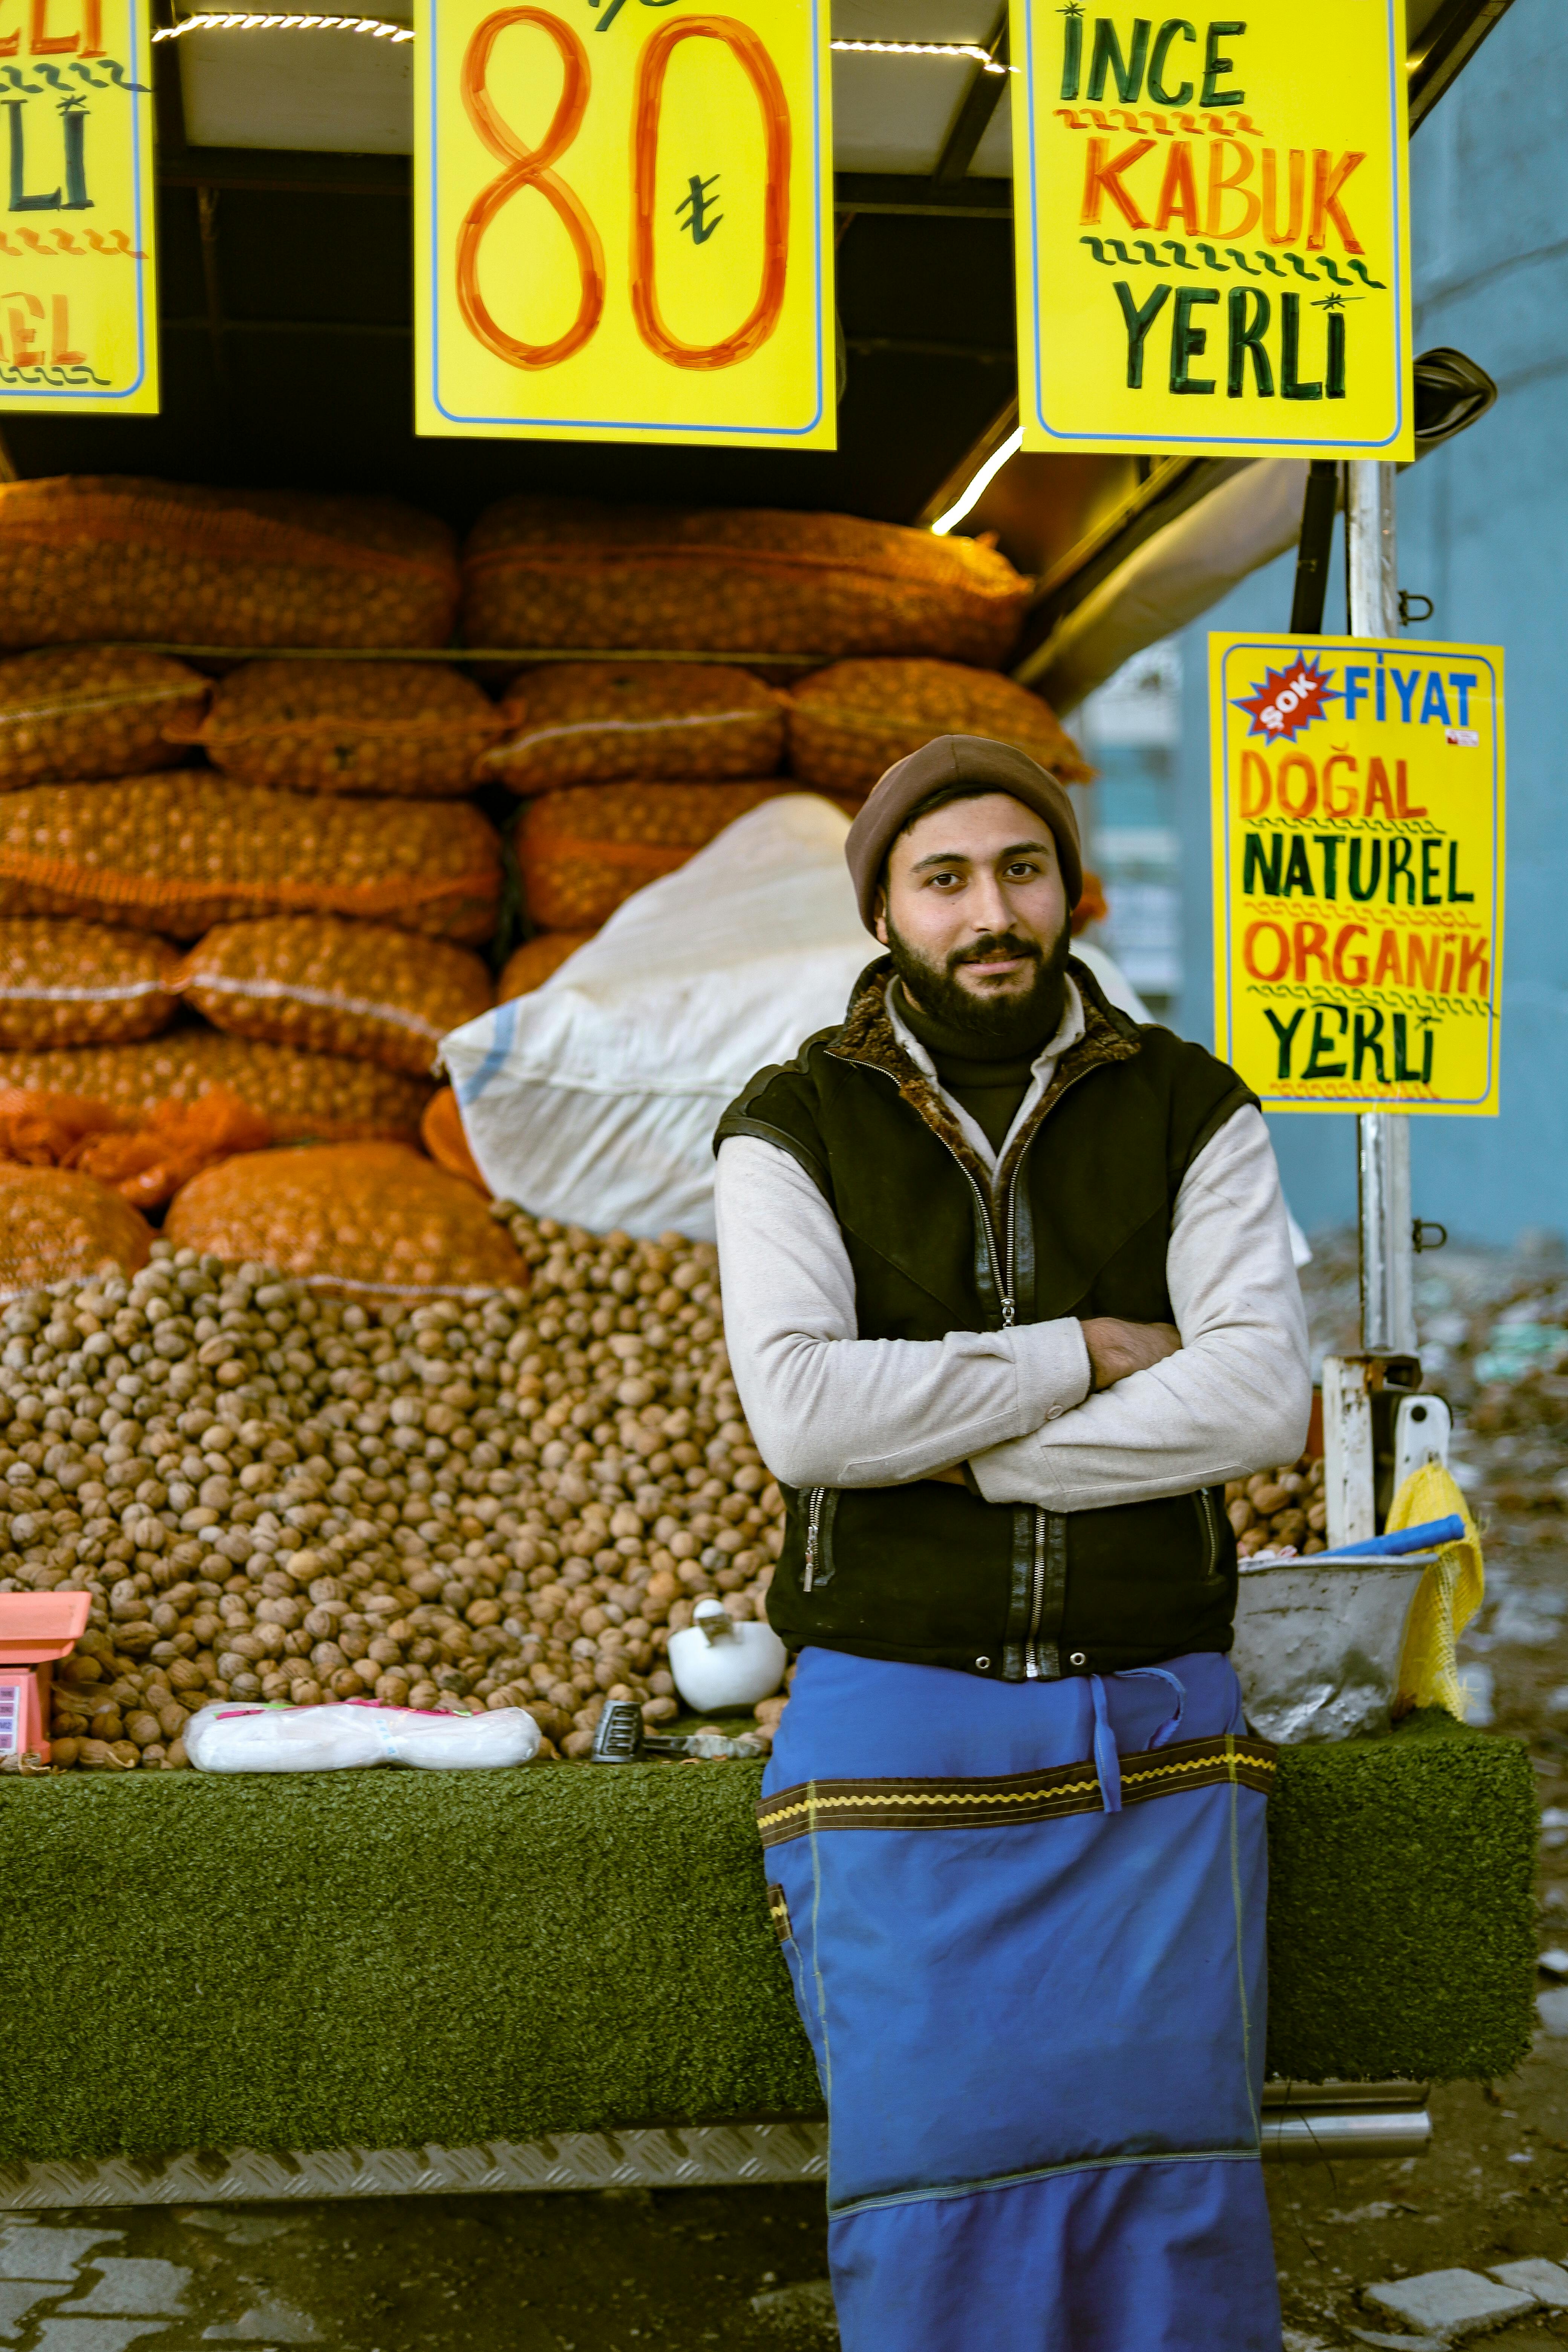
{"x": 1005, "y": 943}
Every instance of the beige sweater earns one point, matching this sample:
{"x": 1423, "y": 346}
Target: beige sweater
{"x": 830, "y": 1409}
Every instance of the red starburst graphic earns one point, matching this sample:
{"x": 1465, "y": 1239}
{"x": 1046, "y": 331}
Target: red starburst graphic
{"x": 1289, "y": 699}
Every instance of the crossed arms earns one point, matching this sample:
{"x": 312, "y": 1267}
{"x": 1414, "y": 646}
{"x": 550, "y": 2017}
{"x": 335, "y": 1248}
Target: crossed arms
{"x": 828, "y": 1409}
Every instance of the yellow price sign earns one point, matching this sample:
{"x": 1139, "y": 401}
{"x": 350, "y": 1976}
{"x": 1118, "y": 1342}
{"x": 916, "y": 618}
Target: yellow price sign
{"x": 625, "y": 215}
{"x": 1358, "y": 870}
{"x": 1212, "y": 241}
{"x": 79, "y": 305}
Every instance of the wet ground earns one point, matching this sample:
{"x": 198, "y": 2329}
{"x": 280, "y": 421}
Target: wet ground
{"x": 622, "y": 2271}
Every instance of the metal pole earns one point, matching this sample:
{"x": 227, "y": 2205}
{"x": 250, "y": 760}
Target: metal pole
{"x": 1387, "y": 1257}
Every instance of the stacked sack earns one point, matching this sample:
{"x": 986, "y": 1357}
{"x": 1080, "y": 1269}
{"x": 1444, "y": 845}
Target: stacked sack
{"x": 627, "y": 767}
{"x": 284, "y": 942}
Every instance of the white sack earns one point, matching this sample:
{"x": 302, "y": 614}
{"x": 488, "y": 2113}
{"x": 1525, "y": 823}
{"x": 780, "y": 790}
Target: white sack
{"x": 594, "y": 1098}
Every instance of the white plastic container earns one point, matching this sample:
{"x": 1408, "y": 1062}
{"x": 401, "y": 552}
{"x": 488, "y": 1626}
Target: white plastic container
{"x": 335, "y": 1739}
{"x": 720, "y": 1663}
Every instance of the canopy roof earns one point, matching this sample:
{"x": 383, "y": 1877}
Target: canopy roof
{"x": 287, "y": 316}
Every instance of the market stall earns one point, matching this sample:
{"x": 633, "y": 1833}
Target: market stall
{"x": 298, "y": 1409}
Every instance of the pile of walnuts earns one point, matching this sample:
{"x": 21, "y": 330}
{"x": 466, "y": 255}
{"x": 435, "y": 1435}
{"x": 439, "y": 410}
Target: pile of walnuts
{"x": 1280, "y": 1507}
{"x": 272, "y": 1494}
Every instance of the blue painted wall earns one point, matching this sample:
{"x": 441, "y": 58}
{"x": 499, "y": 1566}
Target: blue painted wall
{"x": 1483, "y": 531}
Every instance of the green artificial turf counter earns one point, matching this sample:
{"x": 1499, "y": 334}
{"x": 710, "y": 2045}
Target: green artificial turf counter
{"x": 383, "y": 1959}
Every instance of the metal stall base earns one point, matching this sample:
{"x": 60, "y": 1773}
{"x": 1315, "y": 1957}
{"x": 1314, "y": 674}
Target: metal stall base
{"x": 1300, "y": 2122}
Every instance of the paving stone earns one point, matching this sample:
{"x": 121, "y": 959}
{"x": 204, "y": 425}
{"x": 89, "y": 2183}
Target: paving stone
{"x": 1449, "y": 2305}
{"x": 62, "y": 2335}
{"x": 43, "y": 2253}
{"x": 132, "y": 2282}
{"x": 1551, "y": 2008}
{"x": 809, "y": 2304}
{"x": 269, "y": 2322}
{"x": 239, "y": 2229}
{"x": 1547, "y": 2282}
{"x": 17, "y": 2298}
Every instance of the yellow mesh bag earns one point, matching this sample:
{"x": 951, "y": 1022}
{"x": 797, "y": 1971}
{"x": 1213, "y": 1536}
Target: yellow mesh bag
{"x": 92, "y": 710}
{"x": 336, "y": 986}
{"x": 849, "y": 724}
{"x": 593, "y": 722}
{"x": 85, "y": 555}
{"x": 180, "y": 851}
{"x": 530, "y": 965}
{"x": 409, "y": 729}
{"x": 1446, "y": 1598}
{"x": 65, "y": 983}
{"x": 732, "y": 579}
{"x": 57, "y": 1225}
{"x": 304, "y": 1097}
{"x": 372, "y": 1219}
{"x": 583, "y": 850}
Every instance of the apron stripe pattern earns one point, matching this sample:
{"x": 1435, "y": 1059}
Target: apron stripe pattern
{"x": 1035, "y": 1997}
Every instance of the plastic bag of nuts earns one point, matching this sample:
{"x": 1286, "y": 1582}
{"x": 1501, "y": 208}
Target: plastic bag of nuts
{"x": 596, "y": 722}
{"x": 181, "y": 852}
{"x": 530, "y": 965}
{"x": 56, "y": 1223}
{"x": 367, "y": 1220}
{"x": 585, "y": 849}
{"x": 65, "y": 983}
{"x": 542, "y": 572}
{"x": 412, "y": 729}
{"x": 337, "y": 986}
{"x": 92, "y": 710}
{"x": 304, "y": 1097}
{"x": 85, "y": 555}
{"x": 849, "y": 724}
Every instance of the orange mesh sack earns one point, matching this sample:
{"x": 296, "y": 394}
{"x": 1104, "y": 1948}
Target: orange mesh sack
{"x": 181, "y": 852}
{"x": 530, "y": 965}
{"x": 148, "y": 1163}
{"x": 64, "y": 983}
{"x": 56, "y": 1224}
{"x": 441, "y": 1133}
{"x": 583, "y": 850}
{"x": 87, "y": 555}
{"x": 849, "y": 724}
{"x": 92, "y": 710}
{"x": 368, "y": 1218}
{"x": 593, "y": 722}
{"x": 337, "y": 986}
{"x": 304, "y": 1097}
{"x": 731, "y": 580}
{"x": 412, "y": 729}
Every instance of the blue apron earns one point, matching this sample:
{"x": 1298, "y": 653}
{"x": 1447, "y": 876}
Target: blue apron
{"x": 1024, "y": 1925}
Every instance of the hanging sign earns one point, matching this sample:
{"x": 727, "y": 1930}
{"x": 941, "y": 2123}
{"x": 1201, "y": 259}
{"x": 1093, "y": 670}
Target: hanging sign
{"x": 1211, "y": 229}
{"x": 625, "y": 212}
{"x": 79, "y": 303}
{"x": 1358, "y": 870}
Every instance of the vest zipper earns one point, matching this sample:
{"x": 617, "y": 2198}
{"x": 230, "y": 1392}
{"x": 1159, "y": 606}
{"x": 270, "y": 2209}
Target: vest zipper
{"x": 813, "y": 1528}
{"x": 1036, "y": 1602}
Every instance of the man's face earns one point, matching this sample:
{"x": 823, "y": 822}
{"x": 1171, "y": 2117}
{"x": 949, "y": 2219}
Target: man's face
{"x": 975, "y": 910}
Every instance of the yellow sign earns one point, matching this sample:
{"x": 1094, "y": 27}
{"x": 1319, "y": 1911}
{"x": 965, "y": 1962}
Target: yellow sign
{"x": 79, "y": 304}
{"x": 1211, "y": 230}
{"x": 1358, "y": 864}
{"x": 625, "y": 215}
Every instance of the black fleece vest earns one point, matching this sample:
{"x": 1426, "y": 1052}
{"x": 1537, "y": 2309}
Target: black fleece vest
{"x": 931, "y": 1573}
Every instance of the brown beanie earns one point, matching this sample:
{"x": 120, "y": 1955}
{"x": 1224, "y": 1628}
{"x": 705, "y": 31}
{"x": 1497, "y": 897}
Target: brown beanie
{"x": 961, "y": 760}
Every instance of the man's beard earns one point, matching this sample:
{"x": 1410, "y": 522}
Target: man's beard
{"x": 1001, "y": 1024}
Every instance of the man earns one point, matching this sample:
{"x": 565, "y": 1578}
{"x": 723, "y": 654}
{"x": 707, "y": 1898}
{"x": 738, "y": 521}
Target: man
{"x": 1009, "y": 1292}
